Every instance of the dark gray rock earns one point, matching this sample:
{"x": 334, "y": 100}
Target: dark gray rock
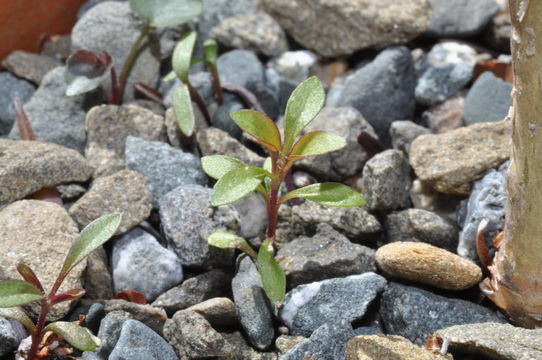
{"x": 328, "y": 342}
{"x": 414, "y": 313}
{"x": 187, "y": 221}
{"x": 421, "y": 225}
{"x": 30, "y": 66}
{"x": 12, "y": 87}
{"x": 252, "y": 304}
{"x": 138, "y": 342}
{"x": 386, "y": 181}
{"x": 8, "y": 338}
{"x": 108, "y": 334}
{"x": 460, "y": 18}
{"x": 367, "y": 330}
{"x": 163, "y": 166}
{"x": 221, "y": 118}
{"x": 218, "y": 311}
{"x": 383, "y": 90}
{"x": 497, "y": 34}
{"x": 307, "y": 307}
{"x": 403, "y": 133}
{"x": 94, "y": 317}
{"x": 489, "y": 99}
{"x": 140, "y": 263}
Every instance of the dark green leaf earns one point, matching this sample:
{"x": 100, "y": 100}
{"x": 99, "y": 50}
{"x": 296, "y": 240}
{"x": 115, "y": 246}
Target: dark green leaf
{"x": 17, "y": 293}
{"x": 217, "y": 166}
{"x": 260, "y": 126}
{"x": 273, "y": 278}
{"x": 304, "y": 104}
{"x": 77, "y": 336}
{"x": 167, "y": 13}
{"x": 317, "y": 143}
{"x": 237, "y": 184}
{"x": 328, "y": 194}
{"x": 182, "y": 108}
{"x": 227, "y": 240}
{"x": 210, "y": 51}
{"x": 182, "y": 55}
{"x": 16, "y": 313}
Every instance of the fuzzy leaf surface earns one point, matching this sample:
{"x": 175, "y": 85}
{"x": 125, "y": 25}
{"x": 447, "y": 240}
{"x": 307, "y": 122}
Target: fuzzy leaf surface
{"x": 273, "y": 278}
{"x": 260, "y": 126}
{"x": 328, "y": 194}
{"x": 182, "y": 55}
{"x": 16, "y": 313}
{"x": 217, "y": 166}
{"x": 167, "y": 13}
{"x": 77, "y": 336}
{"x": 17, "y": 293}
{"x": 317, "y": 143}
{"x": 237, "y": 184}
{"x": 228, "y": 240}
{"x": 182, "y": 108}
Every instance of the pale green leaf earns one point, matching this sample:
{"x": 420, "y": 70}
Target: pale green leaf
{"x": 77, "y": 336}
{"x": 260, "y": 126}
{"x": 304, "y": 104}
{"x": 273, "y": 278}
{"x": 237, "y": 184}
{"x": 210, "y": 51}
{"x": 170, "y": 76}
{"x": 167, "y": 13}
{"x": 317, "y": 143}
{"x": 17, "y": 293}
{"x": 18, "y": 314}
{"x": 182, "y": 108}
{"x": 328, "y": 194}
{"x": 182, "y": 55}
{"x": 91, "y": 237}
{"x": 217, "y": 166}
{"x": 228, "y": 240}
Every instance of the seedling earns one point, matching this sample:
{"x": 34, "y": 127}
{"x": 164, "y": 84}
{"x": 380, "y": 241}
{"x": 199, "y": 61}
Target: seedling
{"x": 237, "y": 180}
{"x": 15, "y": 293}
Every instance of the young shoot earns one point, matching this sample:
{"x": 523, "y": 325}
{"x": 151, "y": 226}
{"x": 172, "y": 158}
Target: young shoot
{"x": 235, "y": 180}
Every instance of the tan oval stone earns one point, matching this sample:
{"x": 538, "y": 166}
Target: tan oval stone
{"x": 427, "y": 264}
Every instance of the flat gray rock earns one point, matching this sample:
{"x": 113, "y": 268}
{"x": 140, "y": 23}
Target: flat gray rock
{"x": 489, "y": 99}
{"x": 109, "y": 333}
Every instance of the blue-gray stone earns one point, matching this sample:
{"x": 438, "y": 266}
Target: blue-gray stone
{"x": 221, "y": 118}
{"x": 110, "y": 328}
{"x": 367, "y": 330}
{"x": 93, "y": 313}
{"x": 489, "y": 99}
{"x": 8, "y": 338}
{"x": 307, "y": 307}
{"x": 12, "y": 87}
{"x": 413, "y": 313}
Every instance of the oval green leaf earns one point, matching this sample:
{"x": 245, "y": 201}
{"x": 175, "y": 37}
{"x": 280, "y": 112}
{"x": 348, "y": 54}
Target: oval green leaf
{"x": 91, "y": 237}
{"x": 167, "y": 13}
{"x": 317, "y": 143}
{"x": 182, "y": 55}
{"x": 237, "y": 184}
{"x": 217, "y": 166}
{"x": 228, "y": 240}
{"x": 210, "y": 51}
{"x": 273, "y": 278}
{"x": 182, "y": 108}
{"x": 77, "y": 336}
{"x": 17, "y": 293}
{"x": 304, "y": 104}
{"x": 328, "y": 194}
{"x": 260, "y": 126}
{"x": 16, "y": 313}
{"x": 170, "y": 76}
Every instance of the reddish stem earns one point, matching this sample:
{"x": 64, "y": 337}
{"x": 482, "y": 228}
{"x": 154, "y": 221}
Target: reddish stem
{"x": 217, "y": 85}
{"x": 194, "y": 94}
{"x": 36, "y": 336}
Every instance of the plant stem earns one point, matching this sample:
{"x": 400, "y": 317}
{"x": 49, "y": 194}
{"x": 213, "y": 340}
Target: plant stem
{"x": 194, "y": 94}
{"x": 36, "y": 336}
{"x": 217, "y": 85}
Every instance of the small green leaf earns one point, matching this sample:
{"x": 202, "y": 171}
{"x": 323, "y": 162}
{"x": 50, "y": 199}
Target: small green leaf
{"x": 328, "y": 194}
{"x": 217, "y": 166}
{"x": 92, "y": 236}
{"x": 170, "y": 76}
{"x": 273, "y": 278}
{"x": 182, "y": 108}
{"x": 260, "y": 126}
{"x": 228, "y": 240}
{"x": 17, "y": 293}
{"x": 16, "y": 313}
{"x": 317, "y": 143}
{"x": 182, "y": 55}
{"x": 304, "y": 104}
{"x": 210, "y": 51}
{"x": 77, "y": 336}
{"x": 237, "y": 184}
{"x": 167, "y": 13}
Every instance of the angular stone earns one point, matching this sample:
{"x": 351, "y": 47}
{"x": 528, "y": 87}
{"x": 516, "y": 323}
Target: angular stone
{"x": 243, "y": 351}
{"x": 446, "y": 116}
{"x": 489, "y": 99}
{"x": 8, "y": 339}
{"x": 403, "y": 133}
{"x": 29, "y": 66}
{"x": 150, "y": 316}
{"x": 109, "y": 333}
{"x": 27, "y": 166}
{"x": 97, "y": 278}
{"x": 394, "y": 347}
{"x": 450, "y": 162}
{"x": 218, "y": 311}
{"x": 12, "y": 87}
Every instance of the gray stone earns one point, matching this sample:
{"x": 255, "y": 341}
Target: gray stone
{"x": 12, "y": 87}
{"x": 328, "y": 342}
{"x": 71, "y": 191}
{"x": 367, "y": 330}
{"x": 50, "y": 105}
{"x": 8, "y": 339}
{"x": 383, "y": 90}
{"x": 108, "y": 334}
{"x": 307, "y": 307}
{"x": 138, "y": 342}
{"x": 221, "y": 118}
{"x": 496, "y": 341}
{"x": 27, "y": 166}
{"x": 403, "y": 133}
{"x": 29, "y": 66}
{"x": 446, "y": 116}
{"x": 124, "y": 192}
{"x": 140, "y": 263}
{"x": 90, "y": 4}
{"x": 97, "y": 278}
{"x": 255, "y": 31}
{"x": 252, "y": 216}
{"x": 327, "y": 254}
{"x": 113, "y": 27}
{"x": 163, "y": 166}
{"x": 388, "y": 347}
{"x": 107, "y": 128}
{"x": 295, "y": 66}
{"x": 243, "y": 351}
{"x": 460, "y": 18}
{"x": 489, "y": 99}
{"x": 58, "y": 47}
{"x": 486, "y": 201}
{"x": 252, "y": 304}
{"x": 194, "y": 290}
{"x": 317, "y": 25}
{"x": 187, "y": 221}
{"x": 386, "y": 181}
{"x": 421, "y": 225}
{"x": 285, "y": 343}
{"x": 150, "y": 316}
{"x": 218, "y": 311}
{"x": 414, "y": 313}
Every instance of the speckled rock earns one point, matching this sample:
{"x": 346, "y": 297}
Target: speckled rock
{"x": 218, "y": 311}
{"x": 27, "y": 166}
{"x": 9, "y": 339}
{"x": 243, "y": 351}
{"x": 39, "y": 234}
{"x": 151, "y": 316}
{"x": 97, "y": 278}
{"x": 109, "y": 333}
{"x": 427, "y": 264}
{"x": 124, "y": 192}
{"x": 10, "y": 88}
{"x": 450, "y": 162}
{"x": 394, "y": 347}
{"x": 446, "y": 116}
{"x": 29, "y": 66}
{"x": 403, "y": 133}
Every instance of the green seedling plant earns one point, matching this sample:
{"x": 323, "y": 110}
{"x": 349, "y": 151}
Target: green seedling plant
{"x": 15, "y": 293}
{"x": 235, "y": 180}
